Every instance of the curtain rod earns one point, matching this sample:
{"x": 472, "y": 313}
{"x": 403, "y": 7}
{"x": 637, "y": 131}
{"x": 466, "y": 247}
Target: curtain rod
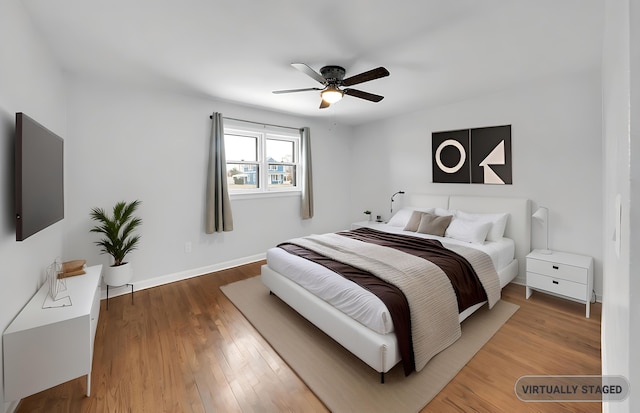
{"x": 257, "y": 123}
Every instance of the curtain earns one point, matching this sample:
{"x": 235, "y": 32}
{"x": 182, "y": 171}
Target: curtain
{"x": 218, "y": 207}
{"x": 307, "y": 181}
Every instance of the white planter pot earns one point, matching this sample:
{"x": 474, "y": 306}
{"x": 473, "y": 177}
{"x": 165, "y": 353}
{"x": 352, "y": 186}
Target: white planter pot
{"x": 117, "y": 276}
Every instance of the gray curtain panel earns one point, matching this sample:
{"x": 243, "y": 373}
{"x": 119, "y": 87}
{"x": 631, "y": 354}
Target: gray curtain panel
{"x": 218, "y": 209}
{"x": 307, "y": 176}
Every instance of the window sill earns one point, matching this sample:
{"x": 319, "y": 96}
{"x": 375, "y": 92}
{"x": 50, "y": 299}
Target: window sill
{"x": 269, "y": 194}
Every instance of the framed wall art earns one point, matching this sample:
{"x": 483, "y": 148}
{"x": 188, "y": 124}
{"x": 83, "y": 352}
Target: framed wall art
{"x": 478, "y": 156}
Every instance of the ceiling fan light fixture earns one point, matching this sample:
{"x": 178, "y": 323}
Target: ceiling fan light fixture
{"x": 331, "y": 94}
{"x": 332, "y": 79}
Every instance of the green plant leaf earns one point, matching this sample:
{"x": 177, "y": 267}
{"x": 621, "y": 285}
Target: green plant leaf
{"x": 117, "y": 230}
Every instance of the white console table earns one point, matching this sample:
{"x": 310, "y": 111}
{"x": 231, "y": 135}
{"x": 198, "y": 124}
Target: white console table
{"x": 44, "y": 347}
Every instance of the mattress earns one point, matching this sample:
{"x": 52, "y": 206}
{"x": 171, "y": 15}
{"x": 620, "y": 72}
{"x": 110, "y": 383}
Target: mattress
{"x": 354, "y": 300}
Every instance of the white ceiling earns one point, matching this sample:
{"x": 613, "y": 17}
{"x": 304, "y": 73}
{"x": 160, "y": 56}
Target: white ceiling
{"x": 437, "y": 51}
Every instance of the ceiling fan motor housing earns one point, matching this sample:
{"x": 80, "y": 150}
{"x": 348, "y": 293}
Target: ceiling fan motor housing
{"x": 332, "y": 73}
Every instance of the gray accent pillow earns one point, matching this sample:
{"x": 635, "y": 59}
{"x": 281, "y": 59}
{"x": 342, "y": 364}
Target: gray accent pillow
{"x": 414, "y": 221}
{"x": 434, "y": 224}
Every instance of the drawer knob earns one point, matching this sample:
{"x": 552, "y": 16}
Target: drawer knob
{"x": 555, "y": 267}
{"x": 555, "y": 282}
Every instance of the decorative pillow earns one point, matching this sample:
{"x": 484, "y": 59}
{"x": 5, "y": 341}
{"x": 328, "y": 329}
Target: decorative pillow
{"x": 434, "y": 224}
{"x": 401, "y": 218}
{"x": 498, "y": 223}
{"x": 414, "y": 221}
{"x": 474, "y": 232}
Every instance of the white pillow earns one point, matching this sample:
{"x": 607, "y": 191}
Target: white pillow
{"x": 401, "y": 218}
{"x": 474, "y": 232}
{"x": 498, "y": 223}
{"x": 444, "y": 212}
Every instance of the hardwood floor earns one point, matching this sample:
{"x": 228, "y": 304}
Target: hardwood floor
{"x": 184, "y": 347}
{"x": 546, "y": 336}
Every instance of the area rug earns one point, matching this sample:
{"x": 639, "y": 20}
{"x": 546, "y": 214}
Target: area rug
{"x": 339, "y": 379}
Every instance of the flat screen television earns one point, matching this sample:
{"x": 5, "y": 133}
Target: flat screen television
{"x": 39, "y": 177}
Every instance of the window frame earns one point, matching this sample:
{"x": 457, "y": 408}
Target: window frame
{"x": 262, "y": 135}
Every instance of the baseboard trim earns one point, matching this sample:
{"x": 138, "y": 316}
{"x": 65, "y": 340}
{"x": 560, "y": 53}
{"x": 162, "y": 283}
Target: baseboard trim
{"x": 12, "y": 406}
{"x": 197, "y": 272}
{"x": 179, "y": 276}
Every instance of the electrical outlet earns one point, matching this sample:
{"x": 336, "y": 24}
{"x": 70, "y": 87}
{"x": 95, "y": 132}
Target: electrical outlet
{"x": 187, "y": 247}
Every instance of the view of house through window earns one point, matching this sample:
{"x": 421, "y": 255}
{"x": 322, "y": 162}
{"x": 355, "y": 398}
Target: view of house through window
{"x": 261, "y": 160}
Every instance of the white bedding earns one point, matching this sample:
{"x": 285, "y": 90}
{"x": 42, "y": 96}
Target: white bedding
{"x": 354, "y": 300}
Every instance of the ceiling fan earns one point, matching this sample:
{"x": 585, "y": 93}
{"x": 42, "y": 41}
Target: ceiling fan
{"x": 332, "y": 77}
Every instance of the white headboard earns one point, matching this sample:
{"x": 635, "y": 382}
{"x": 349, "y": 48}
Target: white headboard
{"x": 518, "y": 224}
{"x": 426, "y": 200}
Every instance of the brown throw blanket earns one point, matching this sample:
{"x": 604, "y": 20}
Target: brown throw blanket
{"x": 389, "y": 294}
{"x": 454, "y": 261}
{"x": 434, "y": 308}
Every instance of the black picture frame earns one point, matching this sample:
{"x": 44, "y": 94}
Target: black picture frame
{"x": 478, "y": 155}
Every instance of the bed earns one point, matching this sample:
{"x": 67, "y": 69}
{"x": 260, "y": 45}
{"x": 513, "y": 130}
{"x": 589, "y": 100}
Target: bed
{"x": 357, "y": 319}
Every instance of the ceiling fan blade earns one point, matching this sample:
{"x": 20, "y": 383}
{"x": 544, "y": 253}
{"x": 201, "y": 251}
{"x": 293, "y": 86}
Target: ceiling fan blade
{"x": 324, "y": 104}
{"x": 277, "y": 92}
{"x": 363, "y": 95}
{"x": 366, "y": 76}
{"x": 309, "y": 72}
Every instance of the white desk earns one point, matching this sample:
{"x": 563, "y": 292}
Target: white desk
{"x": 44, "y": 347}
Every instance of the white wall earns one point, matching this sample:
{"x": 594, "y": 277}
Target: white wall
{"x": 556, "y": 150}
{"x": 634, "y": 211}
{"x": 621, "y": 127}
{"x": 128, "y": 143}
{"x": 30, "y": 82}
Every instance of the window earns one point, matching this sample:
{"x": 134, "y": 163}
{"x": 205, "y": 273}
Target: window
{"x": 262, "y": 160}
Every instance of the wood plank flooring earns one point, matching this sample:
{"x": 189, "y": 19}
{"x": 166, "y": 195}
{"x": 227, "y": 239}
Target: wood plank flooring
{"x": 184, "y": 347}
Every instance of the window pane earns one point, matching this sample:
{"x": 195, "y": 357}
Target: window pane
{"x": 241, "y": 148}
{"x": 242, "y": 176}
{"x": 280, "y": 151}
{"x": 281, "y": 176}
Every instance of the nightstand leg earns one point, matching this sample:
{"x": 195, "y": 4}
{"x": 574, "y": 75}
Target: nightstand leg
{"x": 528, "y": 293}
{"x": 588, "y": 311}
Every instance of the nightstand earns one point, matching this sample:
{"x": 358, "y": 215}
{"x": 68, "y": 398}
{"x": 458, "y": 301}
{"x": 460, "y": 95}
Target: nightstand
{"x": 365, "y": 224}
{"x": 563, "y": 274}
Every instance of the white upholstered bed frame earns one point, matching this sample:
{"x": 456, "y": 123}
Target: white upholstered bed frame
{"x": 380, "y": 351}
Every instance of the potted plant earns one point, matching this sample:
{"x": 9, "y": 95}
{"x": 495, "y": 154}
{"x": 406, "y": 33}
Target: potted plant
{"x": 119, "y": 239}
{"x": 368, "y": 214}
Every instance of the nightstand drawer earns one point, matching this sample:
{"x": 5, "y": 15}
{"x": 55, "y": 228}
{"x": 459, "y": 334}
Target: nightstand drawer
{"x": 557, "y": 286}
{"x": 559, "y": 271}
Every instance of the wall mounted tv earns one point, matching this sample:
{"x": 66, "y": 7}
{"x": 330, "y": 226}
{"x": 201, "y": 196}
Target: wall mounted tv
{"x": 39, "y": 177}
